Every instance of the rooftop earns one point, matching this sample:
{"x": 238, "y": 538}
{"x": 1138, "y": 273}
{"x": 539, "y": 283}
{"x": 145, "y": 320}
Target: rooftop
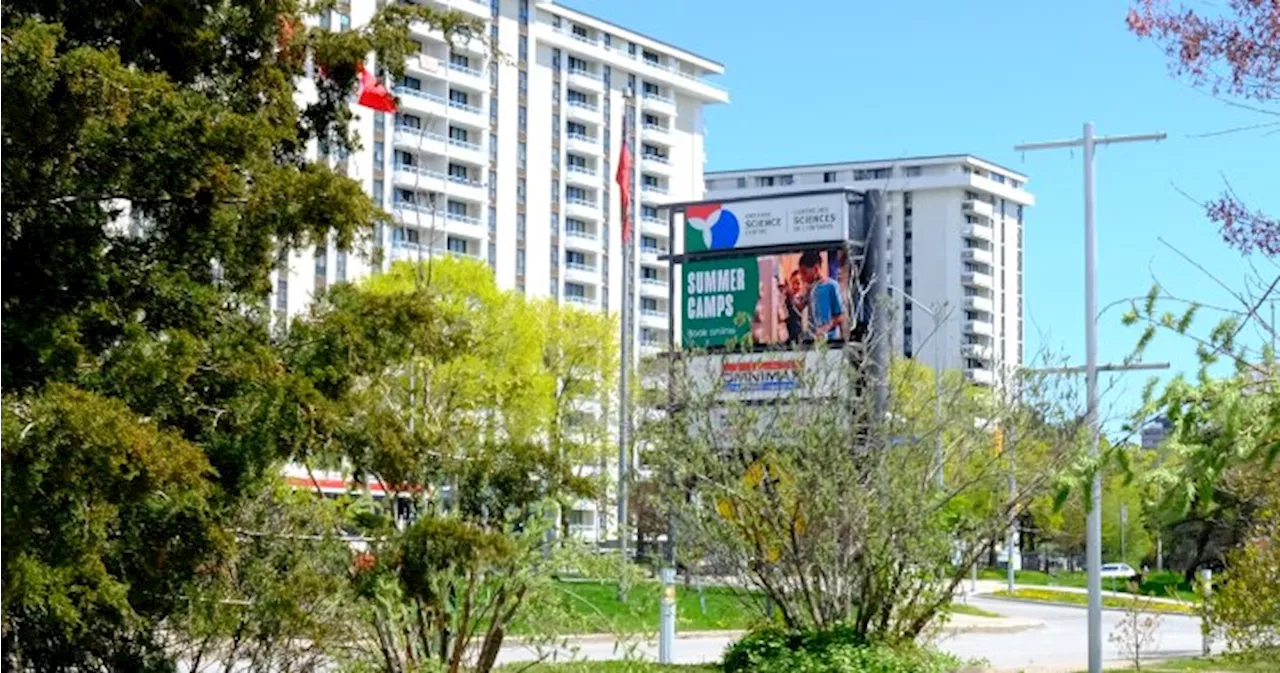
{"x": 927, "y": 159}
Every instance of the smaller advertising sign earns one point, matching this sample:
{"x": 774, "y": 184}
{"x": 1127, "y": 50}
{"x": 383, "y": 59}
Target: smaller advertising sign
{"x": 785, "y": 298}
{"x": 807, "y": 374}
{"x": 753, "y": 223}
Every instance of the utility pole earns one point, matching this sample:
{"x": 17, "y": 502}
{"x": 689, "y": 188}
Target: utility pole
{"x": 1093, "y": 538}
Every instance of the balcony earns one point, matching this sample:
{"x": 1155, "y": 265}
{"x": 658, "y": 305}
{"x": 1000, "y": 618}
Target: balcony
{"x": 984, "y": 377}
{"x": 654, "y": 225}
{"x": 466, "y": 188}
{"x": 582, "y": 300}
{"x": 656, "y": 133}
{"x": 657, "y": 102}
{"x": 978, "y": 304}
{"x": 977, "y": 208}
{"x": 977, "y": 351}
{"x": 652, "y": 253}
{"x": 585, "y": 79}
{"x": 981, "y": 327}
{"x": 653, "y": 193}
{"x": 979, "y": 231}
{"x": 417, "y": 100}
{"x": 653, "y": 317}
{"x": 976, "y": 279}
{"x": 577, "y": 239}
{"x": 411, "y": 176}
{"x": 467, "y": 76}
{"x": 582, "y": 272}
{"x": 653, "y": 287}
{"x": 583, "y": 143}
{"x": 618, "y": 51}
{"x": 410, "y": 251}
{"x": 581, "y": 175}
{"x": 468, "y": 113}
{"x": 415, "y": 138}
{"x": 976, "y": 255}
{"x": 578, "y": 109}
{"x": 656, "y": 163}
{"x": 586, "y": 208}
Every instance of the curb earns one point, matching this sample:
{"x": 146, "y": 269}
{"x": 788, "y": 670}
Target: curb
{"x": 1082, "y": 607}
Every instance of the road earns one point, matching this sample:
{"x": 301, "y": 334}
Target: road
{"x": 1059, "y": 645}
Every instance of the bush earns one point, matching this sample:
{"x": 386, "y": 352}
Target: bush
{"x": 835, "y": 650}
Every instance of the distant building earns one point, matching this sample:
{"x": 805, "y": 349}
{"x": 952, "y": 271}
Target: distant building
{"x": 1154, "y": 433}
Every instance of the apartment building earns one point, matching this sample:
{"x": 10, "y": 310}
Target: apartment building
{"x": 511, "y": 160}
{"x": 955, "y": 250}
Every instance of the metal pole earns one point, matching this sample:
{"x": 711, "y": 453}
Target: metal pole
{"x": 624, "y": 407}
{"x": 1011, "y": 537}
{"x": 938, "y": 477}
{"x": 1093, "y": 536}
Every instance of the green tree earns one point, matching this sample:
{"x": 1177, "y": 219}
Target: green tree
{"x": 155, "y": 162}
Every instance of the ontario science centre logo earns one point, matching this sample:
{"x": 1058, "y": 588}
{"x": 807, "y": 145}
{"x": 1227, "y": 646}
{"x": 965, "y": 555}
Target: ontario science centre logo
{"x": 711, "y": 226}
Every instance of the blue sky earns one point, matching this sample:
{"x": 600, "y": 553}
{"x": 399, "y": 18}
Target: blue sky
{"x": 842, "y": 80}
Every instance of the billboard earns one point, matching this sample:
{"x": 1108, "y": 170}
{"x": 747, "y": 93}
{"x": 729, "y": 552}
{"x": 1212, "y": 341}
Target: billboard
{"x": 783, "y": 298}
{"x": 773, "y": 221}
{"x": 801, "y": 374}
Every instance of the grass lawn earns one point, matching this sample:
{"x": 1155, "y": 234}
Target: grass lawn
{"x": 971, "y": 610}
{"x": 1083, "y": 599}
{"x": 1163, "y": 584}
{"x": 593, "y": 607}
{"x": 608, "y": 667}
{"x": 1207, "y": 665}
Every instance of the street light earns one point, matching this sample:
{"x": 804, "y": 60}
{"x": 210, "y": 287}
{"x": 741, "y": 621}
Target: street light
{"x": 937, "y": 320}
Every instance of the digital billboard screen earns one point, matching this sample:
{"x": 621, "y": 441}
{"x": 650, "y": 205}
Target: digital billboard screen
{"x": 795, "y": 297}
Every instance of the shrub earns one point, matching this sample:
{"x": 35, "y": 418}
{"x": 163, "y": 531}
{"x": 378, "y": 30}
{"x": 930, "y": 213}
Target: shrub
{"x": 835, "y": 650}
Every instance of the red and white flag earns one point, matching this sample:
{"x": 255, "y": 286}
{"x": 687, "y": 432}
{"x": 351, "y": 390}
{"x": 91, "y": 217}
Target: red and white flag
{"x": 624, "y": 190}
{"x": 373, "y": 93}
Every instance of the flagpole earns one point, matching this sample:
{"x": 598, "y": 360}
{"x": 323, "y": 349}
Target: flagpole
{"x": 624, "y": 360}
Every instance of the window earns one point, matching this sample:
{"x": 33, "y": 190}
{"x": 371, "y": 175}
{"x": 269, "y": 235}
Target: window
{"x": 575, "y": 226}
{"x": 829, "y": 176}
{"x": 493, "y": 219}
{"x": 456, "y": 208}
{"x": 555, "y": 59}
{"x": 651, "y": 89}
{"x": 574, "y": 128}
{"x": 493, "y": 149}
{"x": 649, "y": 273}
{"x": 458, "y": 97}
{"x": 764, "y": 181}
{"x": 575, "y": 193}
{"x": 524, "y": 11}
{"x": 580, "y": 31}
{"x": 405, "y": 235}
{"x": 458, "y": 245}
{"x": 872, "y": 174}
{"x": 555, "y": 191}
{"x": 406, "y": 196}
{"x": 458, "y": 133}
{"x": 577, "y": 65}
{"x": 404, "y": 158}
{"x": 410, "y": 121}
{"x": 649, "y": 180}
{"x": 648, "y": 212}
{"x": 411, "y": 83}
{"x": 649, "y": 304}
{"x": 741, "y": 183}
{"x": 651, "y": 120}
{"x": 555, "y": 125}
{"x": 523, "y": 117}
{"x": 344, "y": 21}
{"x": 576, "y": 161}
{"x": 520, "y": 261}
{"x": 522, "y": 153}
{"x": 650, "y": 57}
{"x": 379, "y": 148}
{"x": 575, "y": 290}
{"x": 912, "y": 171}
{"x": 648, "y": 243}
{"x": 524, "y": 82}
{"x": 524, "y": 48}
{"x": 459, "y": 60}
{"x": 322, "y": 267}
{"x": 340, "y": 264}
{"x": 997, "y": 177}
{"x": 576, "y": 96}
{"x": 282, "y": 290}
{"x": 575, "y": 258}
{"x": 493, "y": 109}
{"x": 458, "y": 171}
{"x": 378, "y": 188}
{"x": 786, "y": 180}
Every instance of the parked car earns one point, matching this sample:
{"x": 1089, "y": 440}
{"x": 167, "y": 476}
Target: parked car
{"x": 1119, "y": 571}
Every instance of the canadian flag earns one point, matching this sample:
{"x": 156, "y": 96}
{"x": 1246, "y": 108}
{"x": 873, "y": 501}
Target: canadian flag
{"x": 373, "y": 93}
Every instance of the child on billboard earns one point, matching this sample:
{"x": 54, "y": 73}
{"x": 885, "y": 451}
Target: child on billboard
{"x": 826, "y": 310}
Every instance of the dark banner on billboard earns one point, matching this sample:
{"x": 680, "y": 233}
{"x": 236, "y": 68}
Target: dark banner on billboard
{"x": 783, "y": 298}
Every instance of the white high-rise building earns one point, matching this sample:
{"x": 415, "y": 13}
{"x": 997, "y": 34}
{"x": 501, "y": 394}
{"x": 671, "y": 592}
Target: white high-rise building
{"x": 955, "y": 248}
{"x": 512, "y": 160}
